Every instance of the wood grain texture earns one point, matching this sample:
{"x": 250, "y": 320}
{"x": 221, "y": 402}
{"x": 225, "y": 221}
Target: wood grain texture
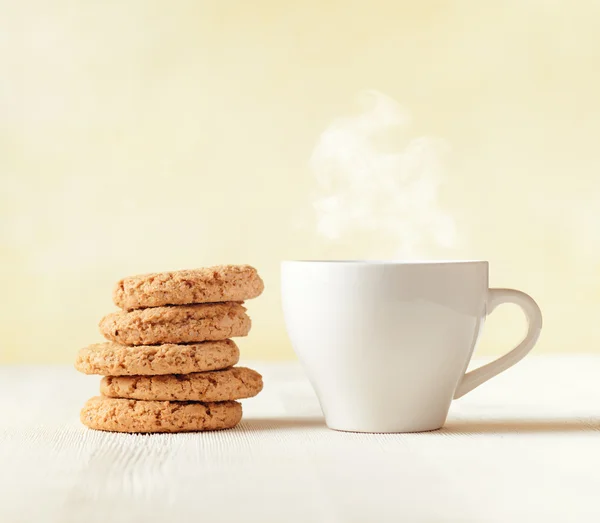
{"x": 523, "y": 447}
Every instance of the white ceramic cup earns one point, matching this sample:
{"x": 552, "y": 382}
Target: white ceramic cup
{"x": 386, "y": 344}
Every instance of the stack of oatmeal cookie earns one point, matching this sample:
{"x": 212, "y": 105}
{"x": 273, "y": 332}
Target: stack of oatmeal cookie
{"x": 169, "y": 363}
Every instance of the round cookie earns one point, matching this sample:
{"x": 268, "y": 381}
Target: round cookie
{"x": 122, "y": 415}
{"x": 183, "y": 324}
{"x": 220, "y": 385}
{"x": 112, "y": 359}
{"x": 210, "y": 284}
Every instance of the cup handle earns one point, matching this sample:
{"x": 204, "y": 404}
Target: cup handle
{"x": 534, "y": 319}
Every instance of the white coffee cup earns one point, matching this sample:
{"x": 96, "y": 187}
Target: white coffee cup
{"x": 386, "y": 344}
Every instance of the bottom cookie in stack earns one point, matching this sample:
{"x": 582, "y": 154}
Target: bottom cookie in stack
{"x": 124, "y": 415}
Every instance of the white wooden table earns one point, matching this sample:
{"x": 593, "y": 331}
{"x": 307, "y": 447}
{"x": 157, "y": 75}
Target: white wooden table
{"x": 523, "y": 447}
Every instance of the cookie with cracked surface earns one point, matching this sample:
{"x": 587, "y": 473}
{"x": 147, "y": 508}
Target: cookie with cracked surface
{"x": 113, "y": 359}
{"x": 220, "y": 385}
{"x": 123, "y": 415}
{"x": 206, "y": 285}
{"x": 181, "y": 324}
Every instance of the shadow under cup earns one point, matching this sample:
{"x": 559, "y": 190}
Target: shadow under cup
{"x": 385, "y": 344}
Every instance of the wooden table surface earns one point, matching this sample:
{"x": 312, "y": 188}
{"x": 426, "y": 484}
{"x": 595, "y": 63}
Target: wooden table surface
{"x": 523, "y": 447}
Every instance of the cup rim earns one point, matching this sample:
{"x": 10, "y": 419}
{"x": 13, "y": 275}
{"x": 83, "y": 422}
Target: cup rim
{"x": 386, "y": 262}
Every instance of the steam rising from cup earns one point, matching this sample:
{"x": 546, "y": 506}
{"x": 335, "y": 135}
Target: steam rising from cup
{"x": 372, "y": 182}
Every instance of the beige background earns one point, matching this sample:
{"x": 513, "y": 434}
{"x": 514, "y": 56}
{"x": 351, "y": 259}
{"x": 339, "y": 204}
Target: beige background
{"x": 141, "y": 136}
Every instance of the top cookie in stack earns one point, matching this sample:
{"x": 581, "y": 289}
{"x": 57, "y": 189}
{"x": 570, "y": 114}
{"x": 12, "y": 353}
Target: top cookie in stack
{"x": 173, "y": 323}
{"x": 208, "y": 285}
